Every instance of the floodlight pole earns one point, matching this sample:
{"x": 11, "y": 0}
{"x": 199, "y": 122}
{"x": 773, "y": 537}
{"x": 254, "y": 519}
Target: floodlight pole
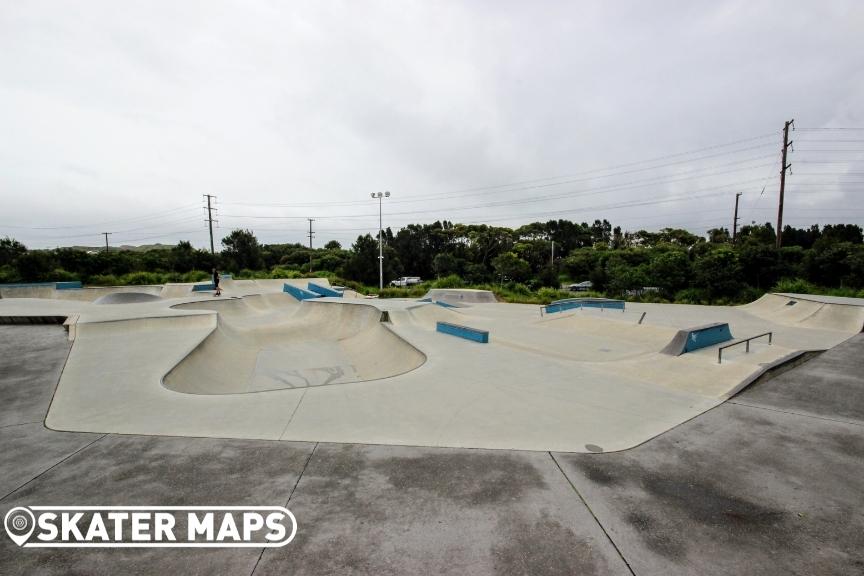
{"x": 380, "y": 196}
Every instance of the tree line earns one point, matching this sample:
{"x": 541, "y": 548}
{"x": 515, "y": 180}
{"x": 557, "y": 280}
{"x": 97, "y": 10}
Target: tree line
{"x": 673, "y": 264}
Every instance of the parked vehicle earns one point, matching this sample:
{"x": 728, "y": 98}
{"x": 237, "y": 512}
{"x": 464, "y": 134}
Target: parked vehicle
{"x": 581, "y": 286}
{"x": 405, "y": 281}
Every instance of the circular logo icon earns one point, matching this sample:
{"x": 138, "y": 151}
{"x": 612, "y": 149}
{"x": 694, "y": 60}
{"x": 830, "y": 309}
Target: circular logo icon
{"x": 19, "y": 523}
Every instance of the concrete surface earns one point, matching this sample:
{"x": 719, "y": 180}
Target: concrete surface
{"x": 831, "y": 386}
{"x": 381, "y": 510}
{"x": 256, "y": 364}
{"x": 738, "y": 490}
{"x": 29, "y": 374}
{"x": 743, "y": 489}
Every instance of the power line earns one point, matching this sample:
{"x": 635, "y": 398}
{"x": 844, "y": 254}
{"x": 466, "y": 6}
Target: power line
{"x": 851, "y": 129}
{"x": 506, "y": 203}
{"x": 510, "y": 187}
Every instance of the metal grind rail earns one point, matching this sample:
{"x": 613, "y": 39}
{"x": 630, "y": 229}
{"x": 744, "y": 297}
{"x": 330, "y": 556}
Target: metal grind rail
{"x": 746, "y": 341}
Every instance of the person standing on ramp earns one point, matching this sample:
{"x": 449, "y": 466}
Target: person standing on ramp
{"x": 216, "y": 287}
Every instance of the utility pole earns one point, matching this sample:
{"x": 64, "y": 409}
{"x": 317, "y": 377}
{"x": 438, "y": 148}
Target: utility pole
{"x": 311, "y": 234}
{"x": 380, "y": 196}
{"x": 106, "y": 240}
{"x": 210, "y": 210}
{"x": 553, "y": 254}
{"x": 735, "y": 220}
{"x": 784, "y": 166}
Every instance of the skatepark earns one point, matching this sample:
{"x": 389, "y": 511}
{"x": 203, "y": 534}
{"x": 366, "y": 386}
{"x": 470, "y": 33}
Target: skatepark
{"x": 259, "y": 363}
{"x": 401, "y": 449}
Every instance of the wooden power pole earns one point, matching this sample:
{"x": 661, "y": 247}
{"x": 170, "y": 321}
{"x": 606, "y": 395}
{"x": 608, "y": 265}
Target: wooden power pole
{"x": 735, "y": 220}
{"x": 311, "y": 235}
{"x": 210, "y": 221}
{"x": 784, "y": 166}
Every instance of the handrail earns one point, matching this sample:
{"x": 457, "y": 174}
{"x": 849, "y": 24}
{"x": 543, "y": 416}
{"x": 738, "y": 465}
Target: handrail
{"x": 745, "y": 341}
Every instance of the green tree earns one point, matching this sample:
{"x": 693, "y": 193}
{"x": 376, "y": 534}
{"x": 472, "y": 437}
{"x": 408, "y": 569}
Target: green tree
{"x": 829, "y": 263}
{"x": 719, "y": 236}
{"x": 36, "y": 266}
{"x": 240, "y": 250}
{"x": 445, "y": 264}
{"x": 719, "y": 273}
{"x": 670, "y": 271}
{"x": 512, "y": 267}
{"x": 10, "y": 250}
{"x": 362, "y": 264}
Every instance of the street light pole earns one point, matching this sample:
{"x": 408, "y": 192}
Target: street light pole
{"x": 380, "y": 196}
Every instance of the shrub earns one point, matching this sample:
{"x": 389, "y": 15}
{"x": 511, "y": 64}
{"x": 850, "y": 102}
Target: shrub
{"x": 140, "y": 278}
{"x": 452, "y": 281}
{"x": 194, "y": 276}
{"x": 104, "y": 280}
{"x": 795, "y": 286}
{"x": 691, "y": 296}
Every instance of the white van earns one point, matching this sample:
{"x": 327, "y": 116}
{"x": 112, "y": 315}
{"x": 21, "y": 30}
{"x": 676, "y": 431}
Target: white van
{"x": 405, "y": 281}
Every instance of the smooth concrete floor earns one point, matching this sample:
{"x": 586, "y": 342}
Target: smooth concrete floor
{"x": 770, "y": 482}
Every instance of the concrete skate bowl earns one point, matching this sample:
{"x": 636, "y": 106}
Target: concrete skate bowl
{"x": 460, "y": 296}
{"x": 127, "y": 298}
{"x": 271, "y": 342}
{"x": 811, "y": 311}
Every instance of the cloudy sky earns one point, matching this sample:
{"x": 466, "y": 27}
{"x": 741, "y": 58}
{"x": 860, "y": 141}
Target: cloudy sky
{"x": 116, "y": 116}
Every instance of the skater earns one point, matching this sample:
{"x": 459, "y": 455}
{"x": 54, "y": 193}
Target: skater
{"x": 216, "y": 283}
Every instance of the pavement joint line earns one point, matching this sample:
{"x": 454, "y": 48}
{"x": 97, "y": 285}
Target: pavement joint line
{"x": 593, "y": 515}
{"x": 296, "y": 408}
{"x": 20, "y": 424}
{"x": 305, "y": 465}
{"x": 58, "y": 463}
{"x": 793, "y": 413}
{"x": 303, "y": 471}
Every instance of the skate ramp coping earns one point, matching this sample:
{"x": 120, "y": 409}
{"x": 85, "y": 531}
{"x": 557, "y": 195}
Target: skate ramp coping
{"x": 698, "y": 337}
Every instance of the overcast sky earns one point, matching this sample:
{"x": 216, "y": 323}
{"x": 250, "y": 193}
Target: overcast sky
{"x": 116, "y": 116}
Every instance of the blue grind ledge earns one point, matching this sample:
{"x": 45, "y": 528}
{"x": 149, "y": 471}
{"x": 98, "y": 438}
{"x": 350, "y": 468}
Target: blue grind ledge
{"x": 67, "y": 285}
{"x": 690, "y": 339}
{"x": 572, "y": 303}
{"x": 465, "y": 332}
{"x": 324, "y": 290}
{"x": 299, "y": 293}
